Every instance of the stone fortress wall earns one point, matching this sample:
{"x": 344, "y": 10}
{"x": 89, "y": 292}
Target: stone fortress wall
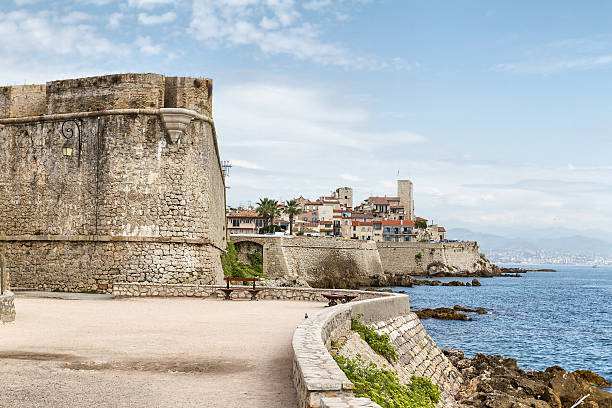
{"x": 327, "y": 262}
{"x": 320, "y": 382}
{"x": 317, "y": 262}
{"x": 428, "y": 259}
{"x": 141, "y": 199}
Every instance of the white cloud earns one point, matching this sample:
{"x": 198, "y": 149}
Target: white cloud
{"x": 114, "y": 20}
{"x": 246, "y": 164}
{"x": 146, "y": 47}
{"x": 153, "y": 19}
{"x": 149, "y": 3}
{"x": 274, "y": 27}
{"x": 47, "y": 33}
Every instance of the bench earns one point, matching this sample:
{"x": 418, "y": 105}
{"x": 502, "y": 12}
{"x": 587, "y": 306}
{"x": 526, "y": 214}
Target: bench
{"x": 334, "y": 297}
{"x": 229, "y": 289}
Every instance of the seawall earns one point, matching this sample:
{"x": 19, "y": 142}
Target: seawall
{"x": 434, "y": 259}
{"x": 320, "y": 382}
{"x": 327, "y": 262}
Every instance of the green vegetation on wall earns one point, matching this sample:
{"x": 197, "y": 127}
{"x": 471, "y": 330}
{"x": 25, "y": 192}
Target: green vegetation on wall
{"x": 383, "y": 386}
{"x": 380, "y": 343}
{"x": 232, "y": 267}
{"x": 420, "y": 224}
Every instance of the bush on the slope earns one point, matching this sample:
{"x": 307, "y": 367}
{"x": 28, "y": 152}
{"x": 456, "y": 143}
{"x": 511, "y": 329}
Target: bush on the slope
{"x": 380, "y": 343}
{"x": 233, "y": 268}
{"x": 383, "y": 386}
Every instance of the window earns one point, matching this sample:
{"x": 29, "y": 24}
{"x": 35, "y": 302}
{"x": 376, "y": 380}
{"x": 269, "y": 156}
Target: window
{"x": 407, "y": 239}
{"x": 387, "y": 238}
{"x": 235, "y": 222}
{"x": 259, "y": 223}
{"x": 354, "y": 228}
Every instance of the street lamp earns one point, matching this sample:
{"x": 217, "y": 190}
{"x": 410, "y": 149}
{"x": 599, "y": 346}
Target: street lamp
{"x": 67, "y": 149}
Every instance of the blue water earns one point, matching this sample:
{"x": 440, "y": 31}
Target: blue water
{"x": 541, "y": 319}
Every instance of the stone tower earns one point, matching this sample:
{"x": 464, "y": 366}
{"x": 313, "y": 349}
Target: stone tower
{"x": 345, "y": 196}
{"x": 109, "y": 179}
{"x": 404, "y": 192}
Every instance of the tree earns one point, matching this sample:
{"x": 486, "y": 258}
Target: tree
{"x": 267, "y": 209}
{"x": 292, "y": 209}
{"x": 420, "y": 224}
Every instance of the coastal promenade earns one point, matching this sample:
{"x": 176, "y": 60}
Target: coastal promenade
{"x": 89, "y": 350}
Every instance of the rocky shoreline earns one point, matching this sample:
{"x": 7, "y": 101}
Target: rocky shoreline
{"x": 446, "y": 313}
{"x": 497, "y": 382}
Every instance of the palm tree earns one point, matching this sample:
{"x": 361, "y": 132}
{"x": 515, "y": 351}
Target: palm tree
{"x": 292, "y": 209}
{"x": 267, "y": 209}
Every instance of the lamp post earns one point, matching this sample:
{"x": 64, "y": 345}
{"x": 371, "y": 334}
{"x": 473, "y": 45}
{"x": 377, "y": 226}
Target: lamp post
{"x": 68, "y": 130}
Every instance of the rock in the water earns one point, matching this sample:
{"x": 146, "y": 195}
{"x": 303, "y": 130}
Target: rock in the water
{"x": 442, "y": 313}
{"x": 495, "y": 381}
{"x": 475, "y": 282}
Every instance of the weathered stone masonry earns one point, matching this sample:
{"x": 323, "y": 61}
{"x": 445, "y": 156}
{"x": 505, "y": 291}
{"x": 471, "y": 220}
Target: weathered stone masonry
{"x": 141, "y": 199}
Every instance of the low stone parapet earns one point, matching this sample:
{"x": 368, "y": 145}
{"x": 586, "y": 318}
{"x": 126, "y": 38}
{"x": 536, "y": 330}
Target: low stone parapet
{"x": 315, "y": 373}
{"x": 7, "y": 307}
{"x": 269, "y": 293}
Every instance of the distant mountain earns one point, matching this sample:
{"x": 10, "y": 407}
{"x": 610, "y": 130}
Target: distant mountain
{"x": 574, "y": 244}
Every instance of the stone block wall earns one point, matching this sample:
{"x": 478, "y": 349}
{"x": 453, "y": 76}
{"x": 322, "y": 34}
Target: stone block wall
{"x": 22, "y": 100}
{"x": 123, "y": 289}
{"x": 318, "y": 378}
{"x": 128, "y": 205}
{"x": 417, "y": 258}
{"x": 320, "y": 262}
{"x": 189, "y": 93}
{"x": 7, "y": 307}
{"x": 119, "y": 91}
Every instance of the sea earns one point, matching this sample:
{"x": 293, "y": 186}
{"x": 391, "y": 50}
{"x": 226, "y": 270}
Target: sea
{"x": 541, "y": 318}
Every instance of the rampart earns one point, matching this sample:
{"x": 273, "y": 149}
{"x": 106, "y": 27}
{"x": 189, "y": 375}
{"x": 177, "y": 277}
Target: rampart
{"x": 320, "y": 382}
{"x": 327, "y": 262}
{"x": 140, "y": 197}
{"x": 431, "y": 259}
{"x": 319, "y": 262}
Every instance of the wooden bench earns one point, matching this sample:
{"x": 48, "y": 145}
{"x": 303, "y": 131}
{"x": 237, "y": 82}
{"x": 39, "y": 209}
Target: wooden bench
{"x": 334, "y": 297}
{"x": 229, "y": 289}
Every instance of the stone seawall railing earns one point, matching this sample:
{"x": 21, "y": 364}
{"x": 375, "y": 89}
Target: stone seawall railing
{"x": 7, "y": 307}
{"x": 320, "y": 382}
{"x": 270, "y": 293}
{"x": 316, "y": 375}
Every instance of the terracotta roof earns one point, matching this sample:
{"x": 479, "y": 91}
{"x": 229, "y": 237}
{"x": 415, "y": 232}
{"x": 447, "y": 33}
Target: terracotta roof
{"x": 406, "y": 223}
{"x": 363, "y": 223}
{"x": 313, "y": 203}
{"x": 441, "y": 229}
{"x": 244, "y": 214}
{"x": 421, "y": 219}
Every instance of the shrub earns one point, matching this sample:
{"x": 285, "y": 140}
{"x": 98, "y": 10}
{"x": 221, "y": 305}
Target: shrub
{"x": 420, "y": 224}
{"x": 378, "y": 342}
{"x": 270, "y": 229}
{"x": 383, "y": 386}
{"x": 233, "y": 268}
{"x": 418, "y": 257}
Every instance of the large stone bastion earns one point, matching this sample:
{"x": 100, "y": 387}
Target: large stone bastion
{"x": 110, "y": 179}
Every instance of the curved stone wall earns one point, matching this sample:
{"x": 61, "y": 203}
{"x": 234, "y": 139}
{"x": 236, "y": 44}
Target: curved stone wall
{"x": 317, "y": 377}
{"x": 140, "y": 198}
{"x": 7, "y": 307}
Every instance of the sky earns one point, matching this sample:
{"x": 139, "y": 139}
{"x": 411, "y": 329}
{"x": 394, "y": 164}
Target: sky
{"x": 499, "y": 112}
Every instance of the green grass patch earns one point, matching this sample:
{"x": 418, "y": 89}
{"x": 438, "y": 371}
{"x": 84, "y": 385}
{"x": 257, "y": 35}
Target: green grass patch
{"x": 380, "y": 343}
{"x": 383, "y": 386}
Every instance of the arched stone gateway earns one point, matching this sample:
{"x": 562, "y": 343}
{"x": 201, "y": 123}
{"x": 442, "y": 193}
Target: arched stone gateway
{"x": 244, "y": 248}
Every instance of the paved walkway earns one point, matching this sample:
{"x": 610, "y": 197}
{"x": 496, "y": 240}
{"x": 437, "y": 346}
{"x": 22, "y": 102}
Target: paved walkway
{"x": 95, "y": 352}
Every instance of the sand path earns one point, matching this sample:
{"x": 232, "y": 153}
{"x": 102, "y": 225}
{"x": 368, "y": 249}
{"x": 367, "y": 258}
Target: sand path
{"x": 93, "y": 352}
